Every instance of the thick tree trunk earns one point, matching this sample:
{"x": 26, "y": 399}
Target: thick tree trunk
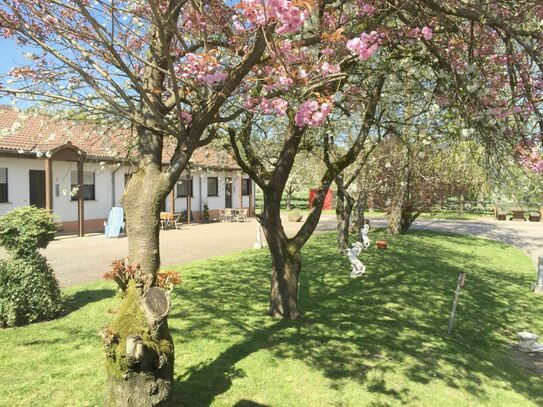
{"x": 286, "y": 263}
{"x": 394, "y": 220}
{"x": 146, "y": 378}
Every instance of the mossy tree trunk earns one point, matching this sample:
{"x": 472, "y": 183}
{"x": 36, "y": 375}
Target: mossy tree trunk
{"x": 145, "y": 382}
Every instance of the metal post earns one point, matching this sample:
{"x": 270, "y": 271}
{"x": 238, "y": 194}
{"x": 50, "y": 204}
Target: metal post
{"x": 459, "y": 286}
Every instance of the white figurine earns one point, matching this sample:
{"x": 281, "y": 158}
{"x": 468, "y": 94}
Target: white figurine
{"x": 358, "y": 268}
{"x": 364, "y": 233}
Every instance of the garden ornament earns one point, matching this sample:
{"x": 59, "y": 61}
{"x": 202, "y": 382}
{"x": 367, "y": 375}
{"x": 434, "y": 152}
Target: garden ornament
{"x": 358, "y": 268}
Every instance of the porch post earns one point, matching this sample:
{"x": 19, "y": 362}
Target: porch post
{"x": 189, "y": 199}
{"x": 250, "y": 197}
{"x": 172, "y": 200}
{"x": 241, "y": 191}
{"x": 80, "y": 200}
{"x": 49, "y": 184}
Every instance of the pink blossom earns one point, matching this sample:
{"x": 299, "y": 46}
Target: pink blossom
{"x": 328, "y": 69}
{"x": 276, "y": 106}
{"x": 214, "y": 77}
{"x": 312, "y": 114}
{"x": 186, "y": 117}
{"x": 365, "y": 45}
{"x": 427, "y": 33}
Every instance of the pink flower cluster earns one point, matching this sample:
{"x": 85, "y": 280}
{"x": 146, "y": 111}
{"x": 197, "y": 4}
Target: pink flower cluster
{"x": 365, "y": 45}
{"x": 186, "y": 117}
{"x": 312, "y": 113}
{"x": 533, "y": 160}
{"x": 328, "y": 69}
{"x": 276, "y": 106}
{"x": 366, "y": 9}
{"x": 289, "y": 17}
{"x": 202, "y": 68}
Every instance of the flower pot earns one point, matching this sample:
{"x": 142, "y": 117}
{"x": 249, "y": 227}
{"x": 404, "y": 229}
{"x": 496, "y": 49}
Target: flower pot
{"x": 294, "y": 217}
{"x": 381, "y": 244}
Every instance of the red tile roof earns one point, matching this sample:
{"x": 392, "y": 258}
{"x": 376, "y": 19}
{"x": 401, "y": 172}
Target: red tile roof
{"x": 31, "y": 133}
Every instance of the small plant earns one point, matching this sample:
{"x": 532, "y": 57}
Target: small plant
{"x": 29, "y": 291}
{"x": 122, "y": 273}
{"x": 206, "y": 217}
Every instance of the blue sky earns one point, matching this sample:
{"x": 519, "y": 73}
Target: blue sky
{"x": 10, "y": 56}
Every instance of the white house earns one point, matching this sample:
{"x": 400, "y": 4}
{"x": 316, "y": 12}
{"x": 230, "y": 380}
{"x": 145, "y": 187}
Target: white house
{"x": 40, "y": 158}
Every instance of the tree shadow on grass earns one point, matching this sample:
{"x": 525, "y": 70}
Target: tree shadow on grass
{"x": 392, "y": 322}
{"x": 200, "y": 384}
{"x": 82, "y": 298}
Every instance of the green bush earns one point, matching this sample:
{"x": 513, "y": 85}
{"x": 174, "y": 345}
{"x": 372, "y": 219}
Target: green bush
{"x": 29, "y": 291}
{"x": 26, "y": 229}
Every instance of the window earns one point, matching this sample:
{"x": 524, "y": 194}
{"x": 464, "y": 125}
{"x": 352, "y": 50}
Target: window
{"x": 3, "y": 184}
{"x": 212, "y": 186}
{"x": 245, "y": 186}
{"x": 88, "y": 185}
{"x": 127, "y": 177}
{"x": 183, "y": 188}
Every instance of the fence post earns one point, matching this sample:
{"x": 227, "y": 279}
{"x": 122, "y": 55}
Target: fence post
{"x": 538, "y": 287}
{"x": 459, "y": 286}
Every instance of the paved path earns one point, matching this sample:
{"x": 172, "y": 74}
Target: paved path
{"x": 80, "y": 260}
{"x": 527, "y": 236}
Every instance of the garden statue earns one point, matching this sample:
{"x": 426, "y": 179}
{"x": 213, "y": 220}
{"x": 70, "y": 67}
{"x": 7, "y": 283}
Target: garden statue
{"x": 258, "y": 244}
{"x": 358, "y": 269}
{"x": 527, "y": 342}
{"x": 364, "y": 233}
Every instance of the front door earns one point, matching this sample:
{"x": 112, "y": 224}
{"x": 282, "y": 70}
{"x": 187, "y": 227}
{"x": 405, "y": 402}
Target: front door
{"x": 37, "y": 188}
{"x": 228, "y": 193}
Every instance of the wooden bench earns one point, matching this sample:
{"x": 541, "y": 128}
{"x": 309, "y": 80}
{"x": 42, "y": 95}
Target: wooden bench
{"x": 501, "y": 214}
{"x": 518, "y": 214}
{"x": 534, "y": 217}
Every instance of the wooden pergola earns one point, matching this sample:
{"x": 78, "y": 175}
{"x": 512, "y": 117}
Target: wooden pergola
{"x": 71, "y": 153}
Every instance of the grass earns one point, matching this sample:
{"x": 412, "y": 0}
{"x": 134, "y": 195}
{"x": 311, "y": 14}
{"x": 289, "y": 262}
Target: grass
{"x": 376, "y": 341}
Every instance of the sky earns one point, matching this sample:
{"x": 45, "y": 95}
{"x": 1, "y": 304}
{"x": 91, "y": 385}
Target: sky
{"x": 10, "y": 56}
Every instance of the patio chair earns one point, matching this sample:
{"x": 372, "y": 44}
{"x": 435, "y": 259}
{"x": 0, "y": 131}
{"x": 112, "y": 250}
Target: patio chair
{"x": 177, "y": 221}
{"x": 242, "y": 216}
{"x": 228, "y": 215}
{"x": 166, "y": 219}
{"x": 115, "y": 222}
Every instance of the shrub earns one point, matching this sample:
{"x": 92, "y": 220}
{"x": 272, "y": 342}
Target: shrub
{"x": 206, "y": 213}
{"x": 29, "y": 291}
{"x": 26, "y": 229}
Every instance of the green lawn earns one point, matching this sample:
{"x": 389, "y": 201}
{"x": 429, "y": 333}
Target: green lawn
{"x": 376, "y": 341}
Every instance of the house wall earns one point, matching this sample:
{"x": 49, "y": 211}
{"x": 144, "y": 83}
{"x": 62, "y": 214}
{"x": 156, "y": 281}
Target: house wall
{"x": 97, "y": 211}
{"x": 200, "y": 197}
